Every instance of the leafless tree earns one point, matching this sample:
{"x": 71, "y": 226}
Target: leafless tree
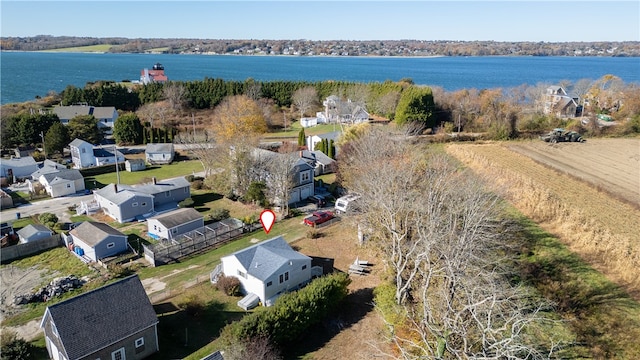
{"x": 281, "y": 179}
{"x": 253, "y": 90}
{"x": 258, "y": 348}
{"x": 175, "y": 94}
{"x": 305, "y": 98}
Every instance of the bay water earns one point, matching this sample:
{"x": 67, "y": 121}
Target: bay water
{"x": 25, "y": 75}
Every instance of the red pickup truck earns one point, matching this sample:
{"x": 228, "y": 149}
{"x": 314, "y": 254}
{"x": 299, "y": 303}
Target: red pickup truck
{"x": 318, "y": 218}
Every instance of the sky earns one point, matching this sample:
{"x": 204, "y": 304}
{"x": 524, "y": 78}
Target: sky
{"x": 512, "y": 20}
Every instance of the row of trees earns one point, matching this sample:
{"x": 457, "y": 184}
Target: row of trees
{"x": 449, "y": 292}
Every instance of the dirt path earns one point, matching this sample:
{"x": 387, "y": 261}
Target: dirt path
{"x": 19, "y": 281}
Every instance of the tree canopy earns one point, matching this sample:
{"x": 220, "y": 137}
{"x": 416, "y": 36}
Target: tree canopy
{"x": 416, "y": 105}
{"x": 85, "y": 127}
{"x": 127, "y": 129}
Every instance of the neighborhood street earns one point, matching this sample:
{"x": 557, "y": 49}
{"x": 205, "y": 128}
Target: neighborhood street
{"x": 57, "y": 206}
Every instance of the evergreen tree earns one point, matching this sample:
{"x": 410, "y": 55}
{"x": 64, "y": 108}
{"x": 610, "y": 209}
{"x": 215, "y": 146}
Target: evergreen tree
{"x": 301, "y": 137}
{"x": 128, "y": 129}
{"x": 56, "y": 138}
{"x": 85, "y": 127}
{"x": 331, "y": 149}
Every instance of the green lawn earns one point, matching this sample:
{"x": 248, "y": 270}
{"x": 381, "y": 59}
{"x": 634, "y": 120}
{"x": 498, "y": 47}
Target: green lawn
{"x": 180, "y": 168}
{"x": 90, "y": 48}
{"x": 294, "y": 129}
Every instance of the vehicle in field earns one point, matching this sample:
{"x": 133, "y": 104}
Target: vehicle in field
{"x": 561, "y": 135}
{"x": 347, "y": 203}
{"x": 318, "y": 217}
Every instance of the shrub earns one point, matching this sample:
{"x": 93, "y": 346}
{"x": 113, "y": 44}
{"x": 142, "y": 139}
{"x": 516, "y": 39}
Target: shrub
{"x": 13, "y": 347}
{"x": 219, "y": 214}
{"x": 197, "y": 184}
{"x": 293, "y": 313}
{"x": 48, "y": 219}
{"x": 229, "y": 285}
{"x": 313, "y": 234}
{"x": 193, "y": 305}
{"x": 190, "y": 178}
{"x": 188, "y": 202}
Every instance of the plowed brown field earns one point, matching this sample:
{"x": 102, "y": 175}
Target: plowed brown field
{"x": 588, "y": 194}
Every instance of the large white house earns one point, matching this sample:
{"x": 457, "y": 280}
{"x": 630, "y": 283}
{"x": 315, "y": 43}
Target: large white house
{"x": 105, "y": 115}
{"x": 267, "y": 270}
{"x": 84, "y": 155}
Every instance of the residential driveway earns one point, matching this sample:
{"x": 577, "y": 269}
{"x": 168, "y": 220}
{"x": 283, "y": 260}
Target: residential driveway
{"x": 57, "y": 206}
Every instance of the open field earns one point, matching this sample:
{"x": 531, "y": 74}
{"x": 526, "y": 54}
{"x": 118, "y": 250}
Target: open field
{"x": 599, "y": 227}
{"x": 92, "y": 48}
{"x": 611, "y": 165}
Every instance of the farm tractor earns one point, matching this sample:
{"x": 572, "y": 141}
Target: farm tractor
{"x": 562, "y": 135}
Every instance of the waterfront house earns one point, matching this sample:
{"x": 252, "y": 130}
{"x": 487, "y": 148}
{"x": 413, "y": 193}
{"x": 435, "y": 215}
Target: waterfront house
{"x": 337, "y": 110}
{"x": 156, "y": 74}
{"x": 115, "y": 321}
{"x": 559, "y": 103}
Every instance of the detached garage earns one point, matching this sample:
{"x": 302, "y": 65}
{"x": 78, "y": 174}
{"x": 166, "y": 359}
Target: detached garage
{"x": 174, "y": 223}
{"x": 98, "y": 240}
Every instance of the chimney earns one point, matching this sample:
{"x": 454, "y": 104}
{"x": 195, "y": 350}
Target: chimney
{"x": 154, "y": 180}
{"x": 115, "y": 188}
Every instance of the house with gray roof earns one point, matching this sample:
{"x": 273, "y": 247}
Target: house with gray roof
{"x": 84, "y": 154}
{"x": 34, "y": 232}
{"x": 267, "y": 270}
{"x": 19, "y": 168}
{"x": 323, "y": 163}
{"x": 337, "y": 110}
{"x": 115, "y": 321}
{"x": 129, "y": 202}
{"x": 61, "y": 182}
{"x": 47, "y": 166}
{"x": 313, "y": 140}
{"x": 301, "y": 173}
{"x": 105, "y": 115}
{"x": 559, "y": 103}
{"x": 159, "y": 153}
{"x": 171, "y": 224}
{"x": 98, "y": 240}
{"x": 132, "y": 165}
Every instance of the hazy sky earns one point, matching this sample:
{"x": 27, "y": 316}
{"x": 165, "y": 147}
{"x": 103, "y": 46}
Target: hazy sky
{"x": 514, "y": 20}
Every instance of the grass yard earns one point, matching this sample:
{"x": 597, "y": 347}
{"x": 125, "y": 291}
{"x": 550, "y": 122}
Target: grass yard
{"x": 294, "y": 129}
{"x": 181, "y": 168}
{"x": 91, "y": 48}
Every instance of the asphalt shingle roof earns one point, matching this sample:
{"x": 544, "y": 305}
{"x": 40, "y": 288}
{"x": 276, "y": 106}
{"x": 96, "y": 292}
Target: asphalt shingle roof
{"x": 32, "y": 229}
{"x": 102, "y": 316}
{"x": 263, "y": 259}
{"x": 93, "y": 233}
{"x": 174, "y": 218}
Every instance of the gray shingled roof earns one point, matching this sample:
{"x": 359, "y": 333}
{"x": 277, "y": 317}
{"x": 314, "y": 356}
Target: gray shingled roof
{"x": 159, "y": 148}
{"x": 109, "y": 192}
{"x": 78, "y": 142}
{"x": 48, "y": 166}
{"x": 159, "y": 187}
{"x": 28, "y": 231}
{"x": 174, "y": 218}
{"x": 322, "y": 158}
{"x": 92, "y": 233}
{"x": 19, "y": 162}
{"x": 263, "y": 259}
{"x": 69, "y": 112}
{"x": 102, "y": 316}
{"x": 67, "y": 174}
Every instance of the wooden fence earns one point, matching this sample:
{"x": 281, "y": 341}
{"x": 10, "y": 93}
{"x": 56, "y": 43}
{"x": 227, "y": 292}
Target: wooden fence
{"x": 21, "y": 250}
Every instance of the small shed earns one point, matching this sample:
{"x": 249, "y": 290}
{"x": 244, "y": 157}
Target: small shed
{"x": 174, "y": 223}
{"x": 98, "y": 240}
{"x": 162, "y": 153}
{"x": 34, "y": 232}
{"x": 135, "y": 165}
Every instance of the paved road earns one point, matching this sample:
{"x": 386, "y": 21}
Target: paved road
{"x": 58, "y": 206}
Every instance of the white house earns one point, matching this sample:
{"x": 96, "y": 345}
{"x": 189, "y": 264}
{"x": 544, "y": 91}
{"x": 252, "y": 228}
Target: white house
{"x": 313, "y": 140}
{"x": 306, "y": 122}
{"x": 337, "y": 110}
{"x": 61, "y": 183}
{"x": 267, "y": 270}
{"x": 161, "y": 153}
{"x": 48, "y": 166}
{"x": 21, "y": 167}
{"x": 85, "y": 155}
{"x": 559, "y": 103}
{"x": 172, "y": 224}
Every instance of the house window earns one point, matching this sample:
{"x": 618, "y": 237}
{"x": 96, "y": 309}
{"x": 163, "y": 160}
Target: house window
{"x": 174, "y": 231}
{"x": 168, "y": 193}
{"x": 139, "y": 342}
{"x": 186, "y": 190}
{"x": 68, "y": 186}
{"x": 304, "y": 176}
{"x": 54, "y": 330}
{"x": 281, "y": 278}
{"x": 118, "y": 355}
{"x": 304, "y": 267}
{"x": 111, "y": 245}
{"x": 269, "y": 283}
{"x": 84, "y": 150}
{"x": 134, "y": 204}
{"x": 144, "y": 204}
{"x": 155, "y": 227}
{"x": 284, "y": 277}
{"x": 240, "y": 273}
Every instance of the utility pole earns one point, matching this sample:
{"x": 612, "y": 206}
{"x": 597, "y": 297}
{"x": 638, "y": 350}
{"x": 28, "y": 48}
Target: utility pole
{"x": 44, "y": 150}
{"x": 115, "y": 155}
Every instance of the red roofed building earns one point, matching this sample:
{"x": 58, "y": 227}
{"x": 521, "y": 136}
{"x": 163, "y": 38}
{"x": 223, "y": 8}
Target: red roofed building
{"x": 154, "y": 75}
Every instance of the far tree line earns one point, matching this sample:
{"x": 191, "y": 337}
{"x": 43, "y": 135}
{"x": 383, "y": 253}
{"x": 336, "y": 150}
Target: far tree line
{"x": 159, "y": 112}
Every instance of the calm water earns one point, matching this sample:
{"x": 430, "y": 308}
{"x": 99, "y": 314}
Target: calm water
{"x": 25, "y": 75}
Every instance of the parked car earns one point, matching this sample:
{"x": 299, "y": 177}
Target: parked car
{"x": 318, "y": 218}
{"x": 318, "y": 200}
